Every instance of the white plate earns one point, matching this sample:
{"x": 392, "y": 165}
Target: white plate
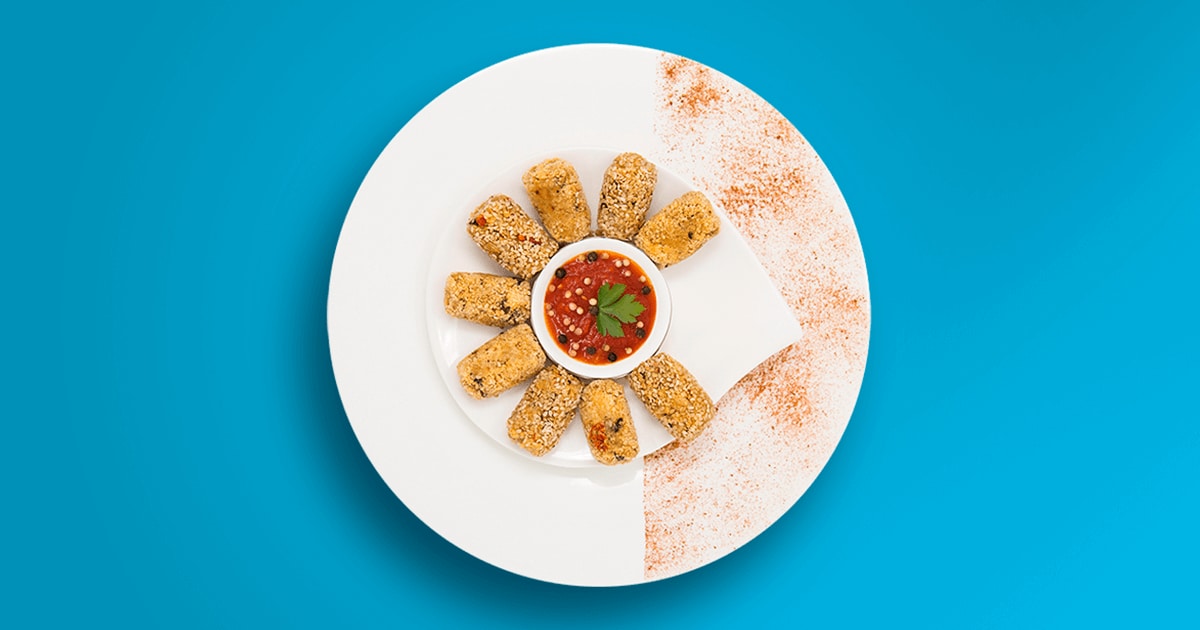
{"x": 681, "y": 507}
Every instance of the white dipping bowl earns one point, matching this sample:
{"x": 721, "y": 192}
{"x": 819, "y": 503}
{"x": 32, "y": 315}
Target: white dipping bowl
{"x": 623, "y": 365}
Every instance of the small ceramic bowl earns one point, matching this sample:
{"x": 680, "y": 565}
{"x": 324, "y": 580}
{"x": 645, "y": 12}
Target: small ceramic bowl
{"x": 624, "y": 363}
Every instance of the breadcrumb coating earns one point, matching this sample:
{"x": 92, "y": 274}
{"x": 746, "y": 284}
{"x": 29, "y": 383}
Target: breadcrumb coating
{"x": 488, "y": 299}
{"x": 501, "y": 362}
{"x": 673, "y": 396}
{"x": 557, "y": 195}
{"x": 539, "y": 419}
{"x": 679, "y": 229}
{"x": 605, "y": 413}
{"x": 625, "y": 196}
{"x": 512, "y": 238}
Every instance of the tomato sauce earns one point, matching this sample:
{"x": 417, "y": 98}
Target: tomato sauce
{"x": 572, "y": 306}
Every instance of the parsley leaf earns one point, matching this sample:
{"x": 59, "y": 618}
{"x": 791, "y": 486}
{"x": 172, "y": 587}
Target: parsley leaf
{"x": 608, "y": 326}
{"x": 626, "y": 309}
{"x": 608, "y": 294}
{"x": 616, "y": 307}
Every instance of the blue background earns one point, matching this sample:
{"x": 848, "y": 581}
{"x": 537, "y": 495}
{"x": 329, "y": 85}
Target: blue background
{"x": 1023, "y": 177}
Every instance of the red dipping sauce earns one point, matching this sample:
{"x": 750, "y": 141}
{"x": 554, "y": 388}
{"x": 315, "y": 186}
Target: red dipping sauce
{"x": 572, "y": 298}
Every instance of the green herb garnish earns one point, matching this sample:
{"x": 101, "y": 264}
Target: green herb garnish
{"x": 616, "y": 307}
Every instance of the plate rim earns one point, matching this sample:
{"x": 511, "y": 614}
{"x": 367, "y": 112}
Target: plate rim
{"x": 339, "y": 254}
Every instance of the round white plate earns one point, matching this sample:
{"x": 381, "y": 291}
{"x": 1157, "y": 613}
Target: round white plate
{"x": 683, "y": 506}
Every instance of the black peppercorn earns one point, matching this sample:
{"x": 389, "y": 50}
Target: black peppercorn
{"x": 560, "y": 273}
{"x": 592, "y": 256}
{"x": 641, "y": 332}
{"x": 612, "y": 356}
{"x": 595, "y": 310}
{"x": 591, "y": 350}
{"x": 562, "y": 338}
{"x": 646, "y": 290}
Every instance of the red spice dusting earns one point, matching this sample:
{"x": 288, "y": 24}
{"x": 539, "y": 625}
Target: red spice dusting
{"x": 775, "y": 429}
{"x": 700, "y": 91}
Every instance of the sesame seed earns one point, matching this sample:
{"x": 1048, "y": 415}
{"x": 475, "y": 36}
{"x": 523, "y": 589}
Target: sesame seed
{"x": 578, "y": 291}
{"x": 587, "y": 280}
{"x": 626, "y": 273}
{"x": 641, "y": 278}
{"x": 571, "y": 352}
{"x": 606, "y": 347}
{"x": 575, "y": 346}
{"x": 641, "y": 324}
{"x": 566, "y": 320}
{"x": 592, "y": 301}
{"x": 628, "y": 350}
{"x": 566, "y": 293}
{"x": 604, "y": 255}
{"x": 579, "y": 310}
{"x": 550, "y": 288}
{"x": 571, "y": 306}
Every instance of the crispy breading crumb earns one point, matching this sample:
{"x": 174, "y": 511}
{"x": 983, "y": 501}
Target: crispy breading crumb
{"x": 673, "y": 396}
{"x": 605, "y": 413}
{"x": 679, "y": 229}
{"x": 539, "y": 419}
{"x": 487, "y": 299}
{"x": 512, "y": 238}
{"x": 625, "y": 196}
{"x": 501, "y": 362}
{"x": 557, "y": 195}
